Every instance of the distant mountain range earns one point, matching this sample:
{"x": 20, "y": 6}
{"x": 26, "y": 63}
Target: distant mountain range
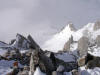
{"x": 91, "y": 31}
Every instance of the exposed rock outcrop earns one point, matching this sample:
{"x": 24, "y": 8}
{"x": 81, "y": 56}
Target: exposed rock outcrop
{"x": 97, "y": 25}
{"x": 90, "y": 61}
{"x": 98, "y": 41}
{"x": 68, "y": 44}
{"x": 33, "y": 62}
{"x": 44, "y": 62}
{"x": 83, "y": 46}
{"x": 32, "y": 43}
{"x": 12, "y": 41}
{"x": 21, "y": 42}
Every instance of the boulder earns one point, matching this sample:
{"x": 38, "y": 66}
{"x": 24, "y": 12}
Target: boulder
{"x": 47, "y": 63}
{"x": 98, "y": 41}
{"x": 39, "y": 59}
{"x": 68, "y": 66}
{"x": 88, "y": 58}
{"x": 97, "y": 25}
{"x": 83, "y": 46}
{"x": 92, "y": 61}
{"x": 81, "y": 61}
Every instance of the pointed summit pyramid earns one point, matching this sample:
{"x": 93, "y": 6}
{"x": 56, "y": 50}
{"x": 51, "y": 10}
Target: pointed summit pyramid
{"x": 57, "y": 42}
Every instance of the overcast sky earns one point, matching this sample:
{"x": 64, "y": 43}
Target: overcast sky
{"x": 43, "y": 18}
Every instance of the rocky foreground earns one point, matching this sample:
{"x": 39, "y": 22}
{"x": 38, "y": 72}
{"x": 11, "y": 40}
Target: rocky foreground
{"x": 23, "y": 56}
{"x": 24, "y": 60}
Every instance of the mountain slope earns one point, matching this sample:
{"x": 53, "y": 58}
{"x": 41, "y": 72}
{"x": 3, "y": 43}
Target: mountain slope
{"x": 57, "y": 42}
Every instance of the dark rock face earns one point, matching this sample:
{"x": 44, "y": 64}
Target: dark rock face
{"x": 91, "y": 61}
{"x": 12, "y": 41}
{"x": 83, "y": 46}
{"x": 97, "y": 25}
{"x": 88, "y": 58}
{"x": 41, "y": 60}
{"x": 47, "y": 63}
{"x": 94, "y": 63}
{"x": 21, "y": 42}
{"x": 33, "y": 44}
{"x": 98, "y": 41}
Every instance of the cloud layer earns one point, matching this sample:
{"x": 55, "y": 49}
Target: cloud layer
{"x": 42, "y": 18}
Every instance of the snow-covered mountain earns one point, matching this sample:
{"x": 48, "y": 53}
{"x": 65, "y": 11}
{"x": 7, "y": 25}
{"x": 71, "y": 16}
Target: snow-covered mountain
{"x": 57, "y": 42}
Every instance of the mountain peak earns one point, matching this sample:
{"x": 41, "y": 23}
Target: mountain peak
{"x": 71, "y": 26}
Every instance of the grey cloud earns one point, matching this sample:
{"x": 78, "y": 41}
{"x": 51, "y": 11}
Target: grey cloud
{"x": 43, "y": 18}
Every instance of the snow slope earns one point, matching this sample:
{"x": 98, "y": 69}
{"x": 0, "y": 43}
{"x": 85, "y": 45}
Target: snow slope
{"x": 57, "y": 42}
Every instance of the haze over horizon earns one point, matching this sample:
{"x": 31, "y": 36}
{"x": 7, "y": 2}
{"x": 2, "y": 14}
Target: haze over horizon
{"x": 43, "y": 18}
